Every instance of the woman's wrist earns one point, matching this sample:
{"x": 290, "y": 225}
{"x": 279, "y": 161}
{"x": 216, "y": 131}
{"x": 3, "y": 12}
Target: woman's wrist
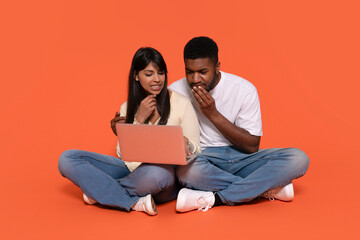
{"x": 137, "y": 120}
{"x": 188, "y": 144}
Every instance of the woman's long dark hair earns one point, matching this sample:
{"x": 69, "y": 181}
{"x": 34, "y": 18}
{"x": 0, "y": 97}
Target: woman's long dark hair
{"x": 142, "y": 58}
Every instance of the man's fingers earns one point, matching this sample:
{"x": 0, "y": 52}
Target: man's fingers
{"x": 197, "y": 96}
{"x": 119, "y": 119}
{"x": 122, "y": 118}
{"x": 202, "y": 93}
{"x": 205, "y": 93}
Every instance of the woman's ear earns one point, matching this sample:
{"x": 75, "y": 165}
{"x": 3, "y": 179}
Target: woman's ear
{"x": 136, "y": 77}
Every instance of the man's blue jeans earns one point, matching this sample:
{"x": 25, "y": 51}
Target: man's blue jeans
{"x": 107, "y": 179}
{"x": 238, "y": 177}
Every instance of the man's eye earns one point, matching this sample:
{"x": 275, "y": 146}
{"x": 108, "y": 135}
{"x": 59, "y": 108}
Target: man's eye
{"x": 203, "y": 73}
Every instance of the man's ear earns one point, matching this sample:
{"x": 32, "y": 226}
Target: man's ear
{"x": 217, "y": 67}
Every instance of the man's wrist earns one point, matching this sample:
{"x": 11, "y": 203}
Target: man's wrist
{"x": 214, "y": 116}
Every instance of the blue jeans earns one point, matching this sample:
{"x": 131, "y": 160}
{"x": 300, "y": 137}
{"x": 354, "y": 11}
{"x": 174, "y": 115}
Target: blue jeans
{"x": 238, "y": 177}
{"x": 107, "y": 179}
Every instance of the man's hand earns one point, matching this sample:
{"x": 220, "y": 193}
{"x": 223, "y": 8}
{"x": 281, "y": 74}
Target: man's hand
{"x": 146, "y": 108}
{"x": 206, "y": 102}
{"x": 238, "y": 136}
{"x": 115, "y": 120}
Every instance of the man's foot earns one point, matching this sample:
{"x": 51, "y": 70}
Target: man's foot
{"x": 145, "y": 204}
{"x": 188, "y": 200}
{"x": 88, "y": 200}
{"x": 284, "y": 193}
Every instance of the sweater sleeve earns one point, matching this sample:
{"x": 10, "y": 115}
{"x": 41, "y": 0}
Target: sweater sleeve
{"x": 123, "y": 109}
{"x": 122, "y": 114}
{"x": 190, "y": 127}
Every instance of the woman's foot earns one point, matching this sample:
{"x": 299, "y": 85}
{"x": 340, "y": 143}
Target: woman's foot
{"x": 89, "y": 200}
{"x": 145, "y": 204}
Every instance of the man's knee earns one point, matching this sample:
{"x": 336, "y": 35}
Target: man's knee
{"x": 300, "y": 161}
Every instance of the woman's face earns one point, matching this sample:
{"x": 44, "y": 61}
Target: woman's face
{"x": 151, "y": 79}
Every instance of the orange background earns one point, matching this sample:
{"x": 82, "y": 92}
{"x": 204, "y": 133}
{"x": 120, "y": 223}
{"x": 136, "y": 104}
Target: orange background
{"x": 63, "y": 73}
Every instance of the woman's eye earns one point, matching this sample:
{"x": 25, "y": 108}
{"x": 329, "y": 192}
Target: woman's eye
{"x": 148, "y": 75}
{"x": 161, "y": 73}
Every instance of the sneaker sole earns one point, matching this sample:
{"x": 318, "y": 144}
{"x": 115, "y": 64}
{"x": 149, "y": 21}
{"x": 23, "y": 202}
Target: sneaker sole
{"x": 153, "y": 206}
{"x": 180, "y": 201}
{"x": 88, "y": 200}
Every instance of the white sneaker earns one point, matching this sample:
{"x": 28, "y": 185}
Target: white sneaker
{"x": 284, "y": 193}
{"x": 145, "y": 204}
{"x": 188, "y": 200}
{"x": 88, "y": 200}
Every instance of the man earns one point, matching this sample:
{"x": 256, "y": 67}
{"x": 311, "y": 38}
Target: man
{"x": 231, "y": 168}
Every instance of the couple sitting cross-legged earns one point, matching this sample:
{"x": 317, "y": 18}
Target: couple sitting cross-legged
{"x": 231, "y": 168}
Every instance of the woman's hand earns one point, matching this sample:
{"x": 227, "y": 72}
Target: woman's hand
{"x": 186, "y": 144}
{"x": 146, "y": 108}
{"x": 115, "y": 120}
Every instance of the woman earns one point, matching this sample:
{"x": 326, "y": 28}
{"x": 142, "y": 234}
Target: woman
{"x": 133, "y": 186}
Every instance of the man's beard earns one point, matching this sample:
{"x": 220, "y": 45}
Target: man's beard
{"x": 212, "y": 83}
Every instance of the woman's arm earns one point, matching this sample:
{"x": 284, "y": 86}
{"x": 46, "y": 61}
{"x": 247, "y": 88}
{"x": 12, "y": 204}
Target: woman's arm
{"x": 190, "y": 127}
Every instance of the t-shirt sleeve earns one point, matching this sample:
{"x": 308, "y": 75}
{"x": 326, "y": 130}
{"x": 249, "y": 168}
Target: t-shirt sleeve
{"x": 249, "y": 116}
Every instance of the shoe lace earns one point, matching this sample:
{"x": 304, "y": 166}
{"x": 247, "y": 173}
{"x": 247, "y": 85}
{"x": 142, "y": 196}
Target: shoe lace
{"x": 269, "y": 195}
{"x": 205, "y": 205}
{"x": 139, "y": 206}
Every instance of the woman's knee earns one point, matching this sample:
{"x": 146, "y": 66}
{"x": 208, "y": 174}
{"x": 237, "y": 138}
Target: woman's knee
{"x": 66, "y": 161}
{"x": 163, "y": 176}
{"x": 191, "y": 173}
{"x": 155, "y": 179}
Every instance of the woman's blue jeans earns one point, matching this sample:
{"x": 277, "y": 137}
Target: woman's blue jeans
{"x": 238, "y": 177}
{"x": 107, "y": 179}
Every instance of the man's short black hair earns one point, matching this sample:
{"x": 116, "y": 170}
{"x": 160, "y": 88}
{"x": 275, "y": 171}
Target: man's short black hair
{"x": 201, "y": 47}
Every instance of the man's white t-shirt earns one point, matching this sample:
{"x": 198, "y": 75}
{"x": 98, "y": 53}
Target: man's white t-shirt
{"x": 235, "y": 98}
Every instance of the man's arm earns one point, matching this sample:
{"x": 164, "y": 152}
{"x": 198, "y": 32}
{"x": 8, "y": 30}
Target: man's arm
{"x": 238, "y": 136}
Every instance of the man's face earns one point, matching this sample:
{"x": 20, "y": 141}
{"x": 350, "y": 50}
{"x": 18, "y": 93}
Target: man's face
{"x": 202, "y": 72}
